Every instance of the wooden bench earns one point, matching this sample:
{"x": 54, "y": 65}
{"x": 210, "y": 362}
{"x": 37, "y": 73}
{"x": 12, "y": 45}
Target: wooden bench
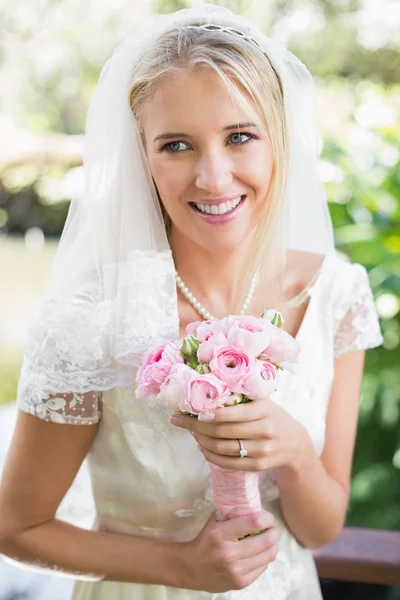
{"x": 361, "y": 555}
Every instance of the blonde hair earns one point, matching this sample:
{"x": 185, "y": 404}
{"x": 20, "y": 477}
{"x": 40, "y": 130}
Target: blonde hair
{"x": 242, "y": 65}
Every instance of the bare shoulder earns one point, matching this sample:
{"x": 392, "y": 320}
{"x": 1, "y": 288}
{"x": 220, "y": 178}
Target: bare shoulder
{"x": 302, "y": 267}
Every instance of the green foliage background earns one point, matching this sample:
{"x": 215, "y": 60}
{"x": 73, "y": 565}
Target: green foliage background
{"x": 357, "y": 70}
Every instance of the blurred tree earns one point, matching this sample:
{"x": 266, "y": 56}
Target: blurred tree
{"x": 51, "y": 52}
{"x": 169, "y": 6}
{"x": 361, "y": 169}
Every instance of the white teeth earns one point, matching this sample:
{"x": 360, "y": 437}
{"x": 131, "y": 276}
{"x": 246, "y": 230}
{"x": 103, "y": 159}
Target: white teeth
{"x": 219, "y": 209}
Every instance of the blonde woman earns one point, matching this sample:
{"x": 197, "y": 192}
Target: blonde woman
{"x": 202, "y": 198}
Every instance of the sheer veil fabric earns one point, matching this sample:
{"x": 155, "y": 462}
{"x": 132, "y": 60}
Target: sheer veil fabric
{"x": 111, "y": 291}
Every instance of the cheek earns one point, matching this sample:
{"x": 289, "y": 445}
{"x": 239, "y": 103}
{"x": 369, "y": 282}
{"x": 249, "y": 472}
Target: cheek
{"x": 170, "y": 178}
{"x": 262, "y": 169}
{"x": 256, "y": 170}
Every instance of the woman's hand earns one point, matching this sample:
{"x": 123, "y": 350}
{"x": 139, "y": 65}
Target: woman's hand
{"x": 271, "y": 436}
{"x": 217, "y": 561}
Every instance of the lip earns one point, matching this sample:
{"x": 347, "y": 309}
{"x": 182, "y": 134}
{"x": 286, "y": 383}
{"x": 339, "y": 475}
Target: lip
{"x": 220, "y": 219}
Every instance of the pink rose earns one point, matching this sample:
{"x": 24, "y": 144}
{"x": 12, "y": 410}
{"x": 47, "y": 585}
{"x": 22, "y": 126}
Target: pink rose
{"x": 156, "y": 367}
{"x": 211, "y": 327}
{"x": 253, "y": 342}
{"x": 262, "y": 381}
{"x": 247, "y": 322}
{"x": 206, "y": 349}
{"x": 174, "y": 389}
{"x": 185, "y": 390}
{"x": 283, "y": 350}
{"x": 204, "y": 329}
{"x": 232, "y": 365}
{"x": 201, "y": 329}
{"x": 268, "y": 371}
{"x": 205, "y": 392}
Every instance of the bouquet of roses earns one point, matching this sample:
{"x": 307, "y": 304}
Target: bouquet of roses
{"x": 221, "y": 362}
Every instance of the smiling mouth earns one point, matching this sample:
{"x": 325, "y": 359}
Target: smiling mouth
{"x": 218, "y": 209}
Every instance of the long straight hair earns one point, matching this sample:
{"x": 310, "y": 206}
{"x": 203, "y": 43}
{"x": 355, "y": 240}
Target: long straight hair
{"x": 252, "y": 81}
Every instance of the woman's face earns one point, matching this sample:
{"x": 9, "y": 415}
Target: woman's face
{"x": 212, "y": 166}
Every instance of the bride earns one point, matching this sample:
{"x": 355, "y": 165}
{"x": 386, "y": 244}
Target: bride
{"x": 202, "y": 199}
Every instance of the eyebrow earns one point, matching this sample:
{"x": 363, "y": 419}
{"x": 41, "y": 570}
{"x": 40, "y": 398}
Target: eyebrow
{"x": 168, "y": 136}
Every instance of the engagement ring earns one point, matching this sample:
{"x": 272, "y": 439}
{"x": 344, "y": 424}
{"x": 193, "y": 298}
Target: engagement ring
{"x": 243, "y": 451}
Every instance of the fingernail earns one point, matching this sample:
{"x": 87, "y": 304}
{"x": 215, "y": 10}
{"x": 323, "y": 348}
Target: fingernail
{"x": 175, "y": 420}
{"x": 206, "y": 416}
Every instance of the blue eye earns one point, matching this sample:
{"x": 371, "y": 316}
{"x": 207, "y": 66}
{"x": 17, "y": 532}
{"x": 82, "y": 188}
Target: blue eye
{"x": 237, "y": 138}
{"x": 174, "y": 147}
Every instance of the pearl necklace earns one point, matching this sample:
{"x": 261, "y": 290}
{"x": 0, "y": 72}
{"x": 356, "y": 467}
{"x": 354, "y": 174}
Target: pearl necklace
{"x": 200, "y": 308}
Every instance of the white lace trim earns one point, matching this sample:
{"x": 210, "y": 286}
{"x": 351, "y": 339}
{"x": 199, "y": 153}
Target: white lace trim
{"x": 73, "y": 409}
{"x": 93, "y": 342}
{"x": 357, "y": 324}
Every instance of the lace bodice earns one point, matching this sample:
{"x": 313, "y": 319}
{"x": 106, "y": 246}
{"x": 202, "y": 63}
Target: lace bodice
{"x": 342, "y": 288}
{"x": 136, "y": 443}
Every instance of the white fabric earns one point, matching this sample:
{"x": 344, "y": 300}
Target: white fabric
{"x": 150, "y": 479}
{"x": 97, "y": 315}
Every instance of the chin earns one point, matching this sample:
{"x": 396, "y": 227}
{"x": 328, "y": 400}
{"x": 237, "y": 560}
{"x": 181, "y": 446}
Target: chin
{"x": 224, "y": 243}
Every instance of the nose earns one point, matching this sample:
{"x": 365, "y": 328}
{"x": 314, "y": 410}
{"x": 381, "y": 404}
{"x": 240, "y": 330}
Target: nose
{"x": 214, "y": 172}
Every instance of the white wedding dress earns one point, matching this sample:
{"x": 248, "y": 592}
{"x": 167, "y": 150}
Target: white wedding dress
{"x": 150, "y": 479}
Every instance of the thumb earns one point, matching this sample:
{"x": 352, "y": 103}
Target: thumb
{"x": 238, "y": 527}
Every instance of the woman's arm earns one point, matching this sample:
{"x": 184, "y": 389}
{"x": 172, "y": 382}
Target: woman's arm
{"x": 41, "y": 465}
{"x": 314, "y": 492}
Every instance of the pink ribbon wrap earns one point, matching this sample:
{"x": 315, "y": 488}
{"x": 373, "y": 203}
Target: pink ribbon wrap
{"x": 236, "y": 493}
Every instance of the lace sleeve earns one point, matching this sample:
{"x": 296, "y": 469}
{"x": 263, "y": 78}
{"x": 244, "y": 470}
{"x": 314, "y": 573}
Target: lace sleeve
{"x": 357, "y": 324}
{"x": 73, "y": 408}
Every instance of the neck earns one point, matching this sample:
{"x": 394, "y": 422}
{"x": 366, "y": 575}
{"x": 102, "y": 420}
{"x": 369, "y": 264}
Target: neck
{"x": 213, "y": 277}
